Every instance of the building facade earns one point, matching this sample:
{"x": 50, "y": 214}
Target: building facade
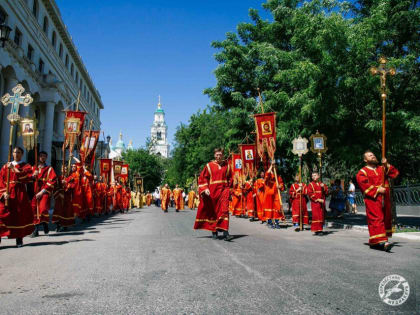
{"x": 159, "y": 134}
{"x": 41, "y": 55}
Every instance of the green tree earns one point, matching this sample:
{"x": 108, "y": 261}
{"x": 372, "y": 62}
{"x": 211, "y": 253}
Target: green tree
{"x": 149, "y": 166}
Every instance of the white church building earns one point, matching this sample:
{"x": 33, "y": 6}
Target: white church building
{"x": 159, "y": 134}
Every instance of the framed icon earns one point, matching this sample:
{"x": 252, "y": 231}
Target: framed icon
{"x": 266, "y": 128}
{"x": 249, "y": 155}
{"x": 27, "y": 127}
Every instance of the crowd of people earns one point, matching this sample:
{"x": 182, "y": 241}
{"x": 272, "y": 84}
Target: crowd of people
{"x": 164, "y": 198}
{"x": 260, "y": 199}
{"x": 28, "y": 193}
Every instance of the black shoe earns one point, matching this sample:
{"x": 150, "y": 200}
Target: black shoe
{"x": 34, "y": 234}
{"x": 387, "y": 247}
{"x": 58, "y": 228}
{"x": 46, "y": 229}
{"x": 214, "y": 235}
{"x": 227, "y": 237}
{"x": 177, "y": 210}
{"x": 19, "y": 242}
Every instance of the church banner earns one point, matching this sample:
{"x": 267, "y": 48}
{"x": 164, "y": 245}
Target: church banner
{"x": 124, "y": 172}
{"x": 116, "y": 167}
{"x": 73, "y": 126}
{"x": 248, "y": 155}
{"x": 105, "y": 169}
{"x": 88, "y": 148}
{"x": 265, "y": 125}
{"x": 236, "y": 166}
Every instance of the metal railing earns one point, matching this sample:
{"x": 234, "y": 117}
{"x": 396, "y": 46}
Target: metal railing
{"x": 403, "y": 196}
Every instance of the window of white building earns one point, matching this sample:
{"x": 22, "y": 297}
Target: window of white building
{"x": 45, "y": 25}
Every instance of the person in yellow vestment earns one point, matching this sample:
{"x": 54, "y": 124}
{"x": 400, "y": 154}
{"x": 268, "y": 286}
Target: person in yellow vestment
{"x": 191, "y": 199}
{"x": 165, "y": 197}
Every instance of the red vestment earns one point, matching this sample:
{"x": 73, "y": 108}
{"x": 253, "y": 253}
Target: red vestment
{"x": 16, "y": 220}
{"x": 73, "y": 184}
{"x": 165, "y": 197}
{"x": 213, "y": 210}
{"x": 298, "y": 202}
{"x": 149, "y": 199}
{"x": 249, "y": 196}
{"x": 178, "y": 199}
{"x": 87, "y": 190}
{"x": 317, "y": 191}
{"x": 63, "y": 208}
{"x": 272, "y": 202}
{"x": 124, "y": 198}
{"x": 259, "y": 187}
{"x": 237, "y": 205}
{"x": 378, "y": 206}
{"x": 45, "y": 180}
{"x": 191, "y": 199}
{"x": 98, "y": 193}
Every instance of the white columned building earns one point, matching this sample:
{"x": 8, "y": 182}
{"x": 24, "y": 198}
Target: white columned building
{"x": 159, "y": 134}
{"x": 40, "y": 55}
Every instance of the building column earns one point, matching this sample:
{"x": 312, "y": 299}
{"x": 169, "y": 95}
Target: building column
{"x": 48, "y": 129}
{"x": 5, "y": 124}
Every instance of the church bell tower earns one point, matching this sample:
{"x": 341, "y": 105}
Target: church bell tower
{"x": 158, "y": 133}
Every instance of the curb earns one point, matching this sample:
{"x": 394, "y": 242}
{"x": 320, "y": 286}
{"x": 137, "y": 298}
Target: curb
{"x": 409, "y": 236}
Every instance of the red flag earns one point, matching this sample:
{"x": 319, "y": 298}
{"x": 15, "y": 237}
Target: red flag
{"x": 105, "y": 169}
{"x": 236, "y": 165}
{"x": 88, "y": 147}
{"x": 249, "y": 157}
{"x": 124, "y": 172}
{"x": 265, "y": 125}
{"x": 73, "y": 126}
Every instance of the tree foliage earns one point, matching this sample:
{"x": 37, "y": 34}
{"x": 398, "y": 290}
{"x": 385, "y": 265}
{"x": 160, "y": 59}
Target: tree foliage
{"x": 149, "y": 166}
{"x": 311, "y": 60}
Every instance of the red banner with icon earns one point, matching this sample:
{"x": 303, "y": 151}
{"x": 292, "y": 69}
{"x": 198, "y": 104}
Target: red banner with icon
{"x": 265, "y": 125}
{"x": 249, "y": 158}
{"x": 124, "y": 172}
{"x": 105, "y": 169}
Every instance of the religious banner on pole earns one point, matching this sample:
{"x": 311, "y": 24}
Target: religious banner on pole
{"x": 249, "y": 156}
{"x": 88, "y": 148}
{"x": 105, "y": 169}
{"x": 265, "y": 125}
{"x": 73, "y": 126}
{"x": 236, "y": 166}
{"x": 124, "y": 172}
{"x": 29, "y": 133}
{"x": 116, "y": 167}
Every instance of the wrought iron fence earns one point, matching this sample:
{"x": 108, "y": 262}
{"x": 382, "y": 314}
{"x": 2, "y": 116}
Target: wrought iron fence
{"x": 403, "y": 196}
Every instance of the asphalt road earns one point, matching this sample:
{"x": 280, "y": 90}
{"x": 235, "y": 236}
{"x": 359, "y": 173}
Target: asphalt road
{"x": 150, "y": 262}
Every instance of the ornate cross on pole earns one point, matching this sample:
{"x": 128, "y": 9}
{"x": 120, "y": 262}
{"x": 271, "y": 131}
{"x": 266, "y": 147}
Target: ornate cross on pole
{"x": 16, "y": 100}
{"x": 383, "y": 71}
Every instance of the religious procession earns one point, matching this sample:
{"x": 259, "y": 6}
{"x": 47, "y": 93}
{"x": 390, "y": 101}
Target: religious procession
{"x": 29, "y": 192}
{"x": 247, "y": 185}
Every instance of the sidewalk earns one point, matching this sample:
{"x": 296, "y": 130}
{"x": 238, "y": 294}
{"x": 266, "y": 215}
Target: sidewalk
{"x": 359, "y": 222}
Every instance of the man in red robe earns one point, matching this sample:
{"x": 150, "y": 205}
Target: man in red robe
{"x": 16, "y": 219}
{"x": 89, "y": 203}
{"x": 74, "y": 186}
{"x": 297, "y": 193}
{"x": 165, "y": 197}
{"x": 63, "y": 215}
{"x": 213, "y": 185}
{"x": 259, "y": 187}
{"x": 98, "y": 193}
{"x": 373, "y": 181}
{"x": 44, "y": 180}
{"x": 237, "y": 200}
{"x": 317, "y": 193}
{"x": 178, "y": 198}
{"x": 249, "y": 196}
{"x": 272, "y": 201}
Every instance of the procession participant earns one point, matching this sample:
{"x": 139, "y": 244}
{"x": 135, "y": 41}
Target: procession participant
{"x": 213, "y": 211}
{"x": 149, "y": 198}
{"x": 63, "y": 215}
{"x": 191, "y": 199}
{"x": 298, "y": 193}
{"x": 119, "y": 195}
{"x": 237, "y": 200}
{"x": 124, "y": 199}
{"x": 249, "y": 195}
{"x": 98, "y": 195}
{"x": 87, "y": 180}
{"x": 272, "y": 202}
{"x": 373, "y": 181}
{"x": 16, "y": 219}
{"x": 165, "y": 196}
{"x": 178, "y": 199}
{"x": 109, "y": 199}
{"x": 259, "y": 187}
{"x": 44, "y": 180}
{"x": 74, "y": 186}
{"x": 317, "y": 193}
{"x": 129, "y": 197}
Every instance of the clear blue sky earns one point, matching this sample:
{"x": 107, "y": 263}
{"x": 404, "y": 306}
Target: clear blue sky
{"x": 136, "y": 50}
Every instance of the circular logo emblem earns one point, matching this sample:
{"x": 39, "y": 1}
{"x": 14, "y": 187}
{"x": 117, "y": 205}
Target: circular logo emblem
{"x": 394, "y": 290}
